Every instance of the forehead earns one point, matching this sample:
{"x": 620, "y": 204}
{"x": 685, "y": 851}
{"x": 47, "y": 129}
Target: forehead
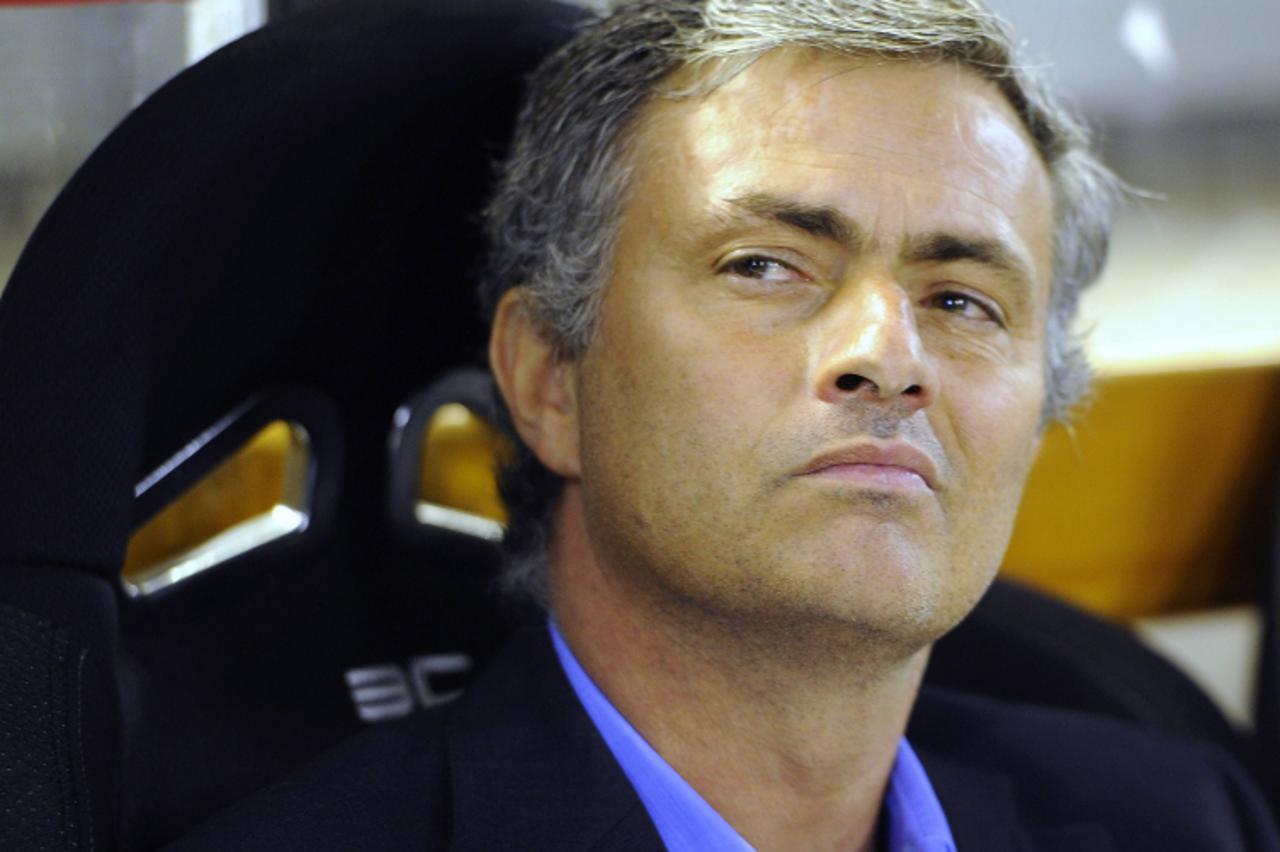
{"x": 894, "y": 144}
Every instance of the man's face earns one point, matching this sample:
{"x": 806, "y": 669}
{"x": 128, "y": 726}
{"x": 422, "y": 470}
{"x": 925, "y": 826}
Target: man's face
{"x": 815, "y": 392}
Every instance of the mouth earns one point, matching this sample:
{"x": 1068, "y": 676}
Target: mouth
{"x": 894, "y": 466}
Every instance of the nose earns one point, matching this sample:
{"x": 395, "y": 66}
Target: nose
{"x": 870, "y": 348}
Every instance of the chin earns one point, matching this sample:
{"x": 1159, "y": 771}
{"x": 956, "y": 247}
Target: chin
{"x": 906, "y": 597}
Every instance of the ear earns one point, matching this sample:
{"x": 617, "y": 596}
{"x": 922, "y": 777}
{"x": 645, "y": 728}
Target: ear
{"x": 541, "y": 391}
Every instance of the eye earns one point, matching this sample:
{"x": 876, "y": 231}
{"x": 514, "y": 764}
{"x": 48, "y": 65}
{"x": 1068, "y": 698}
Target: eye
{"x": 967, "y": 306}
{"x": 758, "y": 267}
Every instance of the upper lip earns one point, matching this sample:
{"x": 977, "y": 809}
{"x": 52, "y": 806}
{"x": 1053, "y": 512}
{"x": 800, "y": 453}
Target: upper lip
{"x": 890, "y": 454}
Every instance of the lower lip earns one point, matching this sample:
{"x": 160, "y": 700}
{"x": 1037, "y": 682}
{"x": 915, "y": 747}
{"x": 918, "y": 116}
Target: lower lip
{"x": 874, "y": 476}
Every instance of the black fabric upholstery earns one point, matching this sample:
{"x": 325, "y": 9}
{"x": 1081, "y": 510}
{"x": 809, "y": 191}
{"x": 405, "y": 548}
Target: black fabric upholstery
{"x": 59, "y": 718}
{"x": 46, "y": 806}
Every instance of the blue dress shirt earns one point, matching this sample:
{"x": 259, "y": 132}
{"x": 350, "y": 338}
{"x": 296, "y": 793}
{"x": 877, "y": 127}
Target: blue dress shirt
{"x": 915, "y": 821}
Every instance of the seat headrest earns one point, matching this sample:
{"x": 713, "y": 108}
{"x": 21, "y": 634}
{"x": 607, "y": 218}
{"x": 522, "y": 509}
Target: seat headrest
{"x": 299, "y": 208}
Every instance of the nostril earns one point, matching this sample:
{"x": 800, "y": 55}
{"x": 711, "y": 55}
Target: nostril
{"x": 849, "y": 382}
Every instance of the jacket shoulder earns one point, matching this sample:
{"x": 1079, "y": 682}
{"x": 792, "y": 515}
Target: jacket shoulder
{"x": 386, "y": 788}
{"x": 1148, "y": 791}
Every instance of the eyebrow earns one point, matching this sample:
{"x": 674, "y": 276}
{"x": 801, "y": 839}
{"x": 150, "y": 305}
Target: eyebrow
{"x": 818, "y": 220}
{"x": 948, "y": 248}
{"x": 829, "y": 223}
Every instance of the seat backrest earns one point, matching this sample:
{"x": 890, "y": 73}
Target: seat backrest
{"x": 286, "y": 231}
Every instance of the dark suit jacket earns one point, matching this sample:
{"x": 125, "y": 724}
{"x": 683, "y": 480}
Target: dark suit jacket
{"x": 517, "y": 764}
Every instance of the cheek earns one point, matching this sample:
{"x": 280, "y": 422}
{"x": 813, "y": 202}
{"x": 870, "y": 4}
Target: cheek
{"x": 994, "y": 430}
{"x": 701, "y": 365}
{"x": 995, "y": 424}
{"x": 641, "y": 382}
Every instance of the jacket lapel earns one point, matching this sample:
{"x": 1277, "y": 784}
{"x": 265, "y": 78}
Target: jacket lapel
{"x": 530, "y": 771}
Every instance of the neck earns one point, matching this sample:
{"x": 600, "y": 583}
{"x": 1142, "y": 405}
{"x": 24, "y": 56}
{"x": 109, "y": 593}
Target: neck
{"x": 788, "y": 730}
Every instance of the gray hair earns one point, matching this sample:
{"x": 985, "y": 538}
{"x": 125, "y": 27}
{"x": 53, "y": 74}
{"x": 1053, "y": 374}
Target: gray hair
{"x": 554, "y": 219}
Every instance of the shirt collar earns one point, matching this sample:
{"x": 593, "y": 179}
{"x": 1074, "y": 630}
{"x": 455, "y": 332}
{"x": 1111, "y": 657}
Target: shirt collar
{"x": 684, "y": 820}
